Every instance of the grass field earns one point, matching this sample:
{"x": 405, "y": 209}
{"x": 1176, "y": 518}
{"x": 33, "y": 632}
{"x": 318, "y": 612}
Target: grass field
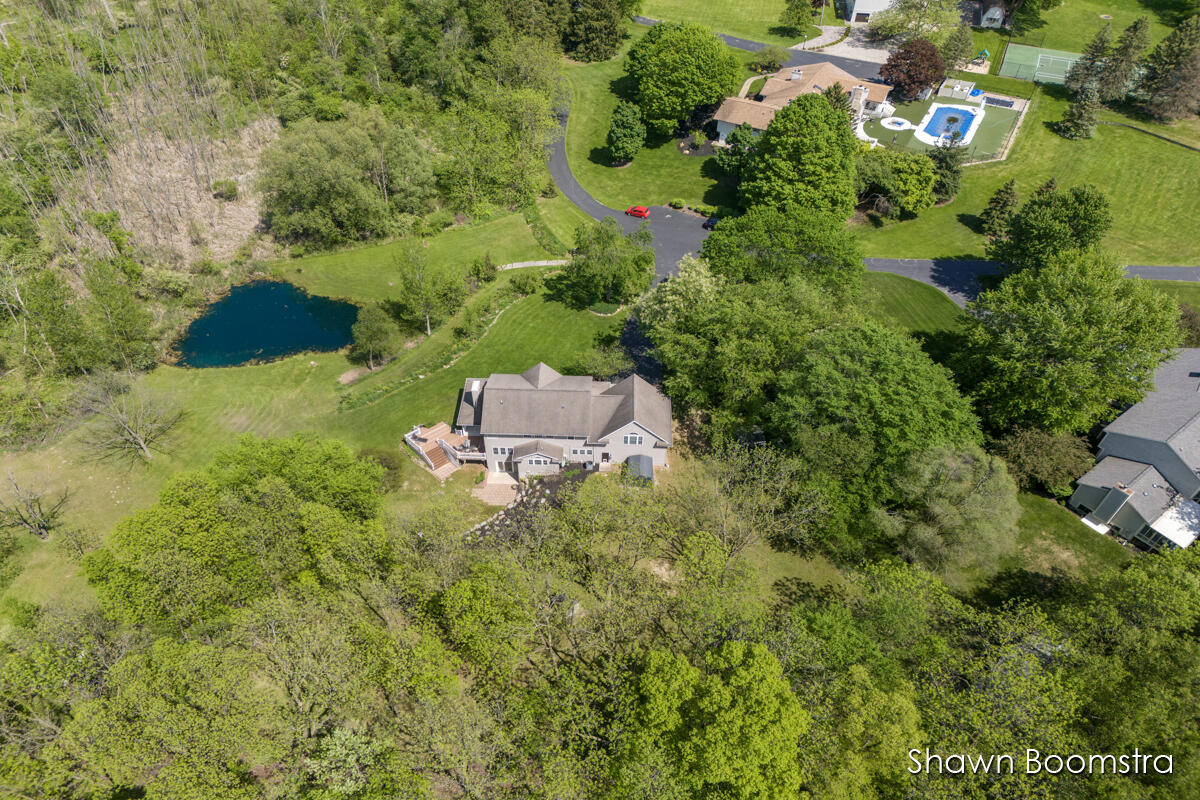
{"x": 909, "y": 304}
{"x": 295, "y": 394}
{"x": 1150, "y": 185}
{"x": 366, "y": 273}
{"x": 1071, "y": 25}
{"x": 660, "y": 172}
{"x": 757, "y": 20}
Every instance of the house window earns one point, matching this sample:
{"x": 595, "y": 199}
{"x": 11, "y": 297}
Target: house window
{"x": 633, "y": 438}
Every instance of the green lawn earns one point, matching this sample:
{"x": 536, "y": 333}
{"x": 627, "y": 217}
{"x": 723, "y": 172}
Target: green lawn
{"x": 366, "y": 273}
{"x": 909, "y": 304}
{"x": 562, "y": 217}
{"x": 299, "y": 393}
{"x": 1151, "y": 186}
{"x": 1071, "y": 25}
{"x": 757, "y": 20}
{"x": 660, "y": 173}
{"x": 1050, "y": 539}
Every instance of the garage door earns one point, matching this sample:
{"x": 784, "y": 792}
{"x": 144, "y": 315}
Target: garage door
{"x": 862, "y": 17}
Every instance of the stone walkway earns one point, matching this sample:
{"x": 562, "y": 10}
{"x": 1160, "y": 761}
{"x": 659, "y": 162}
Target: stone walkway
{"x": 498, "y": 489}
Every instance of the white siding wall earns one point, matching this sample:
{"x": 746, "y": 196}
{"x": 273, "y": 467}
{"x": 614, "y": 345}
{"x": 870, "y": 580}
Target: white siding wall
{"x": 618, "y": 451}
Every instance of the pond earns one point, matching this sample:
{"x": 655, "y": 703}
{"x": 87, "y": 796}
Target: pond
{"x": 263, "y": 320}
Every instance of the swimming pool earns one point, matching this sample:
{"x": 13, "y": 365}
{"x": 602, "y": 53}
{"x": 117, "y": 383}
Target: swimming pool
{"x": 942, "y": 122}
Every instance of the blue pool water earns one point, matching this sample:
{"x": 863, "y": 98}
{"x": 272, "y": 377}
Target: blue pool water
{"x": 948, "y": 121}
{"x": 264, "y": 320}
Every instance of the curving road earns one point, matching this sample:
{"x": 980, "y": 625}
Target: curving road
{"x": 676, "y": 233}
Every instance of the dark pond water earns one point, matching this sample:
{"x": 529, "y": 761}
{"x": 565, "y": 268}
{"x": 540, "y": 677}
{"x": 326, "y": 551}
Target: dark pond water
{"x": 264, "y": 320}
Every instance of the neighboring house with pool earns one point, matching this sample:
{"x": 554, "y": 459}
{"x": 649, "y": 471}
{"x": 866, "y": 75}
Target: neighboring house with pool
{"x": 867, "y": 98}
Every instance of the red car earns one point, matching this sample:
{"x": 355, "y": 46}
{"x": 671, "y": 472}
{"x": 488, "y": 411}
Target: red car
{"x": 638, "y": 211}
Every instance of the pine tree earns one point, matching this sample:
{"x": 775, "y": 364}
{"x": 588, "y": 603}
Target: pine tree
{"x": 839, "y": 98}
{"x": 1000, "y": 209}
{"x": 957, "y": 47}
{"x": 948, "y": 159}
{"x": 1087, "y": 69}
{"x": 1170, "y": 86}
{"x": 1079, "y": 122}
{"x": 595, "y": 30}
{"x": 1117, "y": 74}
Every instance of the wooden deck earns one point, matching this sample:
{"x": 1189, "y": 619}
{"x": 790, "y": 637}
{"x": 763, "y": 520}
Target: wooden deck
{"x": 427, "y": 440}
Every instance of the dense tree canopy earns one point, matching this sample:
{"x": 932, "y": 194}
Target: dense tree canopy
{"x": 1050, "y": 223}
{"x": 676, "y": 68}
{"x": 806, "y": 156}
{"x": 769, "y": 243}
{"x": 1067, "y": 345}
{"x": 607, "y": 265}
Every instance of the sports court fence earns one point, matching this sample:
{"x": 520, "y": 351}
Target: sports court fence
{"x": 1039, "y": 64}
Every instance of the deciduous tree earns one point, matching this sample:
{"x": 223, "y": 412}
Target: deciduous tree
{"x": 675, "y": 69}
{"x": 374, "y": 334}
{"x": 916, "y": 66}
{"x": 806, "y": 157}
{"x": 595, "y": 30}
{"x": 608, "y": 266}
{"x": 426, "y": 293}
{"x": 932, "y": 21}
{"x": 768, "y": 243}
{"x": 1050, "y": 223}
{"x": 1065, "y": 346}
{"x": 1044, "y": 461}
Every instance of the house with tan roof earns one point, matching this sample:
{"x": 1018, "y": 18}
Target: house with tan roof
{"x": 867, "y": 98}
{"x": 539, "y": 422}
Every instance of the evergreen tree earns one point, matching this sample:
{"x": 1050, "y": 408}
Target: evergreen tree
{"x": 1079, "y": 121}
{"x": 1170, "y": 86}
{"x": 626, "y": 134}
{"x": 948, "y": 161}
{"x": 957, "y": 47}
{"x": 839, "y": 98}
{"x": 595, "y": 30}
{"x": 1088, "y": 68}
{"x": 1118, "y": 72}
{"x": 1000, "y": 209}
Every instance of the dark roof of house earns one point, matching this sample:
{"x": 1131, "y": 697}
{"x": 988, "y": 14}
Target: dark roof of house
{"x": 1150, "y": 494}
{"x": 542, "y": 402}
{"x": 1170, "y": 413}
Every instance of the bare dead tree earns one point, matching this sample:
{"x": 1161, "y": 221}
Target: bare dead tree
{"x": 130, "y": 425}
{"x": 37, "y": 511}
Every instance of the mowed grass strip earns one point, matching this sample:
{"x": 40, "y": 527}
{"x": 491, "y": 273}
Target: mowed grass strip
{"x": 1150, "y": 185}
{"x": 910, "y": 305}
{"x": 756, "y": 20}
{"x": 369, "y": 273}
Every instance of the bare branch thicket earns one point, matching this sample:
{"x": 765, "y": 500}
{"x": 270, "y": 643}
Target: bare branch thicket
{"x": 35, "y": 510}
{"x": 131, "y": 425}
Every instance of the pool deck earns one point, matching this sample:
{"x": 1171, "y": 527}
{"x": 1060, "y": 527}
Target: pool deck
{"x": 991, "y": 141}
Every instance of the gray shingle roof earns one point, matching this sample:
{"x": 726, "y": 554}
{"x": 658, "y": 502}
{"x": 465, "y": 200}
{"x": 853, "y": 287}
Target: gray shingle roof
{"x": 542, "y": 402}
{"x": 537, "y": 447}
{"x": 1171, "y": 413}
{"x": 1150, "y": 492}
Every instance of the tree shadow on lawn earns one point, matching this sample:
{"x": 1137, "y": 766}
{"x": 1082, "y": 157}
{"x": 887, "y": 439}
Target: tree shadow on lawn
{"x": 972, "y": 222}
{"x": 723, "y": 192}
{"x": 942, "y": 346}
{"x": 1016, "y": 583}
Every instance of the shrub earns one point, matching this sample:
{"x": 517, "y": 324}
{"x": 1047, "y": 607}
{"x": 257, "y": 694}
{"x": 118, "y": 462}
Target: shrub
{"x": 677, "y": 203}
{"x": 392, "y": 463}
{"x": 225, "y": 189}
{"x": 1038, "y": 459}
{"x": 528, "y": 281}
{"x": 706, "y": 211}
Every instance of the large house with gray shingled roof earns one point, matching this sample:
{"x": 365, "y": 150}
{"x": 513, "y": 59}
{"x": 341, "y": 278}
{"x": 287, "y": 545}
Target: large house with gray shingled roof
{"x": 1147, "y": 475}
{"x": 540, "y": 421}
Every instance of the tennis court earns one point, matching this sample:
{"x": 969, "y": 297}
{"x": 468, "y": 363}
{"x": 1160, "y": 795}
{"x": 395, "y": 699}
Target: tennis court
{"x": 1037, "y": 63}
